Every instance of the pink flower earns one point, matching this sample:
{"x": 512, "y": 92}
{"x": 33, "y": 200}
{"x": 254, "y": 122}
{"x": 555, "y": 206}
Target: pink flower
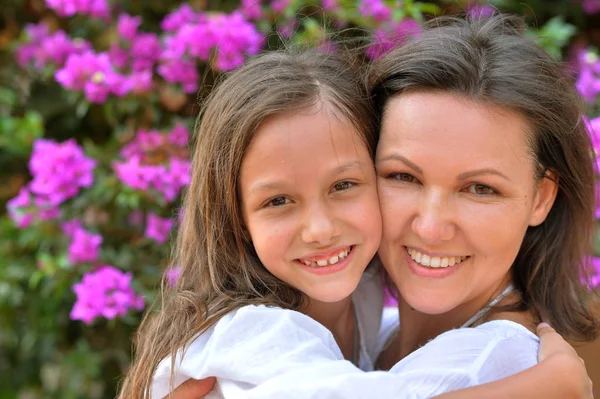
{"x": 105, "y": 292}
{"x": 127, "y": 26}
{"x": 331, "y": 5}
{"x": 173, "y": 274}
{"x": 158, "y": 228}
{"x": 84, "y": 246}
{"x": 375, "y": 9}
{"x": 385, "y": 39}
{"x": 59, "y": 170}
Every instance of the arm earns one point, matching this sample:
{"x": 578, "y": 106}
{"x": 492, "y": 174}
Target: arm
{"x": 193, "y": 389}
{"x": 560, "y": 374}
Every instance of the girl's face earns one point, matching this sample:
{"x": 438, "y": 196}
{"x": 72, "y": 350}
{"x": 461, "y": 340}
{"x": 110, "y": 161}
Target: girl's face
{"x": 309, "y": 201}
{"x": 457, "y": 193}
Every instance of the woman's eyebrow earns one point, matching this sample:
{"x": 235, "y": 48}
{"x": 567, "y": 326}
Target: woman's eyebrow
{"x": 397, "y": 157}
{"x": 482, "y": 171}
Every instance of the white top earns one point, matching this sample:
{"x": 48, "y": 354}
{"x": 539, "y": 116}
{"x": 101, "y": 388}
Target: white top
{"x": 368, "y": 305}
{"x": 285, "y": 354}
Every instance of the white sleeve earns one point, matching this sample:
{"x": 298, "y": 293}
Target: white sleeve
{"x": 490, "y": 352}
{"x": 261, "y": 352}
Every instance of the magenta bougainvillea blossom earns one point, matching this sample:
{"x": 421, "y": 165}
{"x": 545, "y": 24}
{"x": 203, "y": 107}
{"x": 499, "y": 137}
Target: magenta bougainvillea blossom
{"x": 68, "y": 8}
{"x": 42, "y": 47}
{"x": 105, "y": 292}
{"x": 172, "y": 274}
{"x": 158, "y": 228}
{"x": 84, "y": 246}
{"x": 127, "y": 26}
{"x": 25, "y": 208}
{"x": 59, "y": 170}
{"x": 588, "y": 80}
{"x": 389, "y": 37}
{"x": 156, "y": 162}
{"x": 375, "y": 9}
{"x": 229, "y": 37}
{"x": 251, "y": 9}
{"x": 480, "y": 10}
{"x": 591, "y": 6}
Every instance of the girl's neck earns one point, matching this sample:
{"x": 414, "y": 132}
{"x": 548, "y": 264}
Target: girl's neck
{"x": 337, "y": 317}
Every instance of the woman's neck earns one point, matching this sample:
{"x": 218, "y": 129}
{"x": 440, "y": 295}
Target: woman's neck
{"x": 419, "y": 328}
{"x": 337, "y": 317}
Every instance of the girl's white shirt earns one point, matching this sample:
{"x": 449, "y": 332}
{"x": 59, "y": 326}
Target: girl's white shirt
{"x": 264, "y": 352}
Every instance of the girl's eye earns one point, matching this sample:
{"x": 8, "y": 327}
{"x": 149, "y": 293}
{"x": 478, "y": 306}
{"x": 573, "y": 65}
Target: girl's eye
{"x": 403, "y": 177}
{"x": 481, "y": 189}
{"x": 342, "y": 185}
{"x": 277, "y": 202}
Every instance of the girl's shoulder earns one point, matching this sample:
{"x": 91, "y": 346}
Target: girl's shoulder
{"x": 241, "y": 343}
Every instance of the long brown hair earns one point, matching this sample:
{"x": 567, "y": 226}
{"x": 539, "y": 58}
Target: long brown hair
{"x": 220, "y": 271}
{"x": 490, "y": 61}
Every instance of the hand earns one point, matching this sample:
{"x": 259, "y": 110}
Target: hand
{"x": 555, "y": 350}
{"x": 193, "y": 389}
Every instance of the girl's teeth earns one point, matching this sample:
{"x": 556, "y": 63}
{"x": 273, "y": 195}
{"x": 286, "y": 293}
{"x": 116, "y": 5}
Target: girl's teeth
{"x": 331, "y": 261}
{"x": 434, "y": 261}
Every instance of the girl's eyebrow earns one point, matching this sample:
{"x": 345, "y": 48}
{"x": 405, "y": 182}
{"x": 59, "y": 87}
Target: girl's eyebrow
{"x": 346, "y": 166}
{"x": 265, "y": 186}
{"x": 277, "y": 185}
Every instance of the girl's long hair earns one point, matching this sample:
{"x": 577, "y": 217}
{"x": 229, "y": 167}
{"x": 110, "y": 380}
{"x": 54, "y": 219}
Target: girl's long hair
{"x": 220, "y": 271}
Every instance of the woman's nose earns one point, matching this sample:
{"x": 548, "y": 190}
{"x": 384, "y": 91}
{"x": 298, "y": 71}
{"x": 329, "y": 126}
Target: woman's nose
{"x": 433, "y": 222}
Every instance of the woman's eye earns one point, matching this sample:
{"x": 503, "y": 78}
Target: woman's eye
{"x": 342, "y": 186}
{"x": 481, "y": 189}
{"x": 403, "y": 177}
{"x": 278, "y": 201}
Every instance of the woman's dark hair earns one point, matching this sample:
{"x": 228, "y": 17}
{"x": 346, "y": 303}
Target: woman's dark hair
{"x": 488, "y": 60}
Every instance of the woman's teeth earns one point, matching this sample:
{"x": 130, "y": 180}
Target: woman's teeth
{"x": 434, "y": 261}
{"x": 328, "y": 261}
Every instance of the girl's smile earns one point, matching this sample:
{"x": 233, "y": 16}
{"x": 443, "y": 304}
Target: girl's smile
{"x": 309, "y": 200}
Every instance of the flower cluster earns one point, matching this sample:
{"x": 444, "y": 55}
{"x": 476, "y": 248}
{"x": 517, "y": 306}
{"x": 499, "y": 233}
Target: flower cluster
{"x": 68, "y": 8}
{"x": 387, "y": 38}
{"x": 105, "y": 292}
{"x": 156, "y": 162}
{"x": 375, "y": 9}
{"x": 59, "y": 171}
{"x": 158, "y": 228}
{"x": 42, "y": 47}
{"x": 84, "y": 246}
{"x": 25, "y": 208}
{"x": 229, "y": 38}
{"x": 591, "y": 6}
{"x": 588, "y": 80}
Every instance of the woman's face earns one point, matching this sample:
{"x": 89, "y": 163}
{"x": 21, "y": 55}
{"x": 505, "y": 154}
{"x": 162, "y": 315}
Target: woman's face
{"x": 309, "y": 200}
{"x": 457, "y": 193}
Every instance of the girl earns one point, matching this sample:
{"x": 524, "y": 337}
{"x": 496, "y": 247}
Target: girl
{"x": 282, "y": 211}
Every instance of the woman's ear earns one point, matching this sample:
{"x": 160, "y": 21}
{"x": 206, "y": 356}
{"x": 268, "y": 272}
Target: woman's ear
{"x": 544, "y": 197}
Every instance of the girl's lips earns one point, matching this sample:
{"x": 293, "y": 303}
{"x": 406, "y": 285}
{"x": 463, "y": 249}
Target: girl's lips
{"x": 329, "y": 269}
{"x": 432, "y": 272}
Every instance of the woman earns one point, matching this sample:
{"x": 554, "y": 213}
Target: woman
{"x": 487, "y": 193}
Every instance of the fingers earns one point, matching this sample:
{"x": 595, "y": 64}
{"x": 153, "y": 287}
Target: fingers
{"x": 545, "y": 329}
{"x": 193, "y": 389}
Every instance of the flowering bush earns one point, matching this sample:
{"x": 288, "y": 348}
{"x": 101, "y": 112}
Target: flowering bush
{"x": 97, "y": 102}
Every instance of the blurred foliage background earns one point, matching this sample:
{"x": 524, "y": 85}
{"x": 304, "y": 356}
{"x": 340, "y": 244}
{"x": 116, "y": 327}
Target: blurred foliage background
{"x": 97, "y": 103}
